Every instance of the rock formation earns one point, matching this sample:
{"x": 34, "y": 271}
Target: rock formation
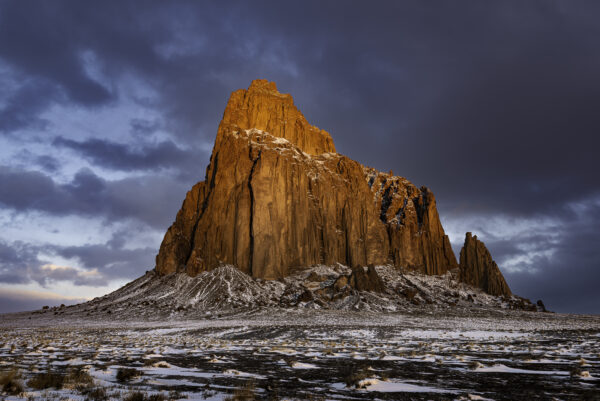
{"x": 366, "y": 279}
{"x": 479, "y": 270}
{"x": 277, "y": 197}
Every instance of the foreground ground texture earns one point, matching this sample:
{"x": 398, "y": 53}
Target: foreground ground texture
{"x": 304, "y": 354}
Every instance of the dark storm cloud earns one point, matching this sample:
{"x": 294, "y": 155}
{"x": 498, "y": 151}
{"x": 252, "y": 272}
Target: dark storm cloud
{"x": 119, "y": 156}
{"x": 491, "y": 108}
{"x": 491, "y": 105}
{"x": 567, "y": 280}
{"x": 153, "y": 200}
{"x": 31, "y": 33}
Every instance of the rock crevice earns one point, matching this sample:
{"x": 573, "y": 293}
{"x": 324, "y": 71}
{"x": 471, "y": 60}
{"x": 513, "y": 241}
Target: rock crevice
{"x": 252, "y": 206}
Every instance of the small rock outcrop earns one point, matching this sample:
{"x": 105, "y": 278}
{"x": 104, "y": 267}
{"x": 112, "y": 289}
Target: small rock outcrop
{"x": 477, "y": 268}
{"x": 277, "y": 197}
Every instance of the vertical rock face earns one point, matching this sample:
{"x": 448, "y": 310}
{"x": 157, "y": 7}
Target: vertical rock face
{"x": 277, "y": 198}
{"x": 413, "y": 226}
{"x": 478, "y": 269}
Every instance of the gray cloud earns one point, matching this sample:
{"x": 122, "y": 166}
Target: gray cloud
{"x": 110, "y": 260}
{"x": 48, "y": 163}
{"x": 48, "y": 273}
{"x": 119, "y": 156}
{"x": 142, "y": 128}
{"x": 568, "y": 279}
{"x": 153, "y": 200}
{"x": 15, "y": 260}
{"x": 23, "y": 263}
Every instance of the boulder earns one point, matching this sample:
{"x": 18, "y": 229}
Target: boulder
{"x": 366, "y": 279}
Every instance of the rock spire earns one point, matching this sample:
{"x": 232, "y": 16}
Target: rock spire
{"x": 479, "y": 270}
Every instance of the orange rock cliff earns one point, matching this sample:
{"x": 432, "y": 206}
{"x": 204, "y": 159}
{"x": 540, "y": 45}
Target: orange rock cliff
{"x": 277, "y": 198}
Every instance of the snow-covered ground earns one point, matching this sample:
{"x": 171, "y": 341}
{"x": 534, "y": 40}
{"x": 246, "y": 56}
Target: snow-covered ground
{"x": 302, "y": 353}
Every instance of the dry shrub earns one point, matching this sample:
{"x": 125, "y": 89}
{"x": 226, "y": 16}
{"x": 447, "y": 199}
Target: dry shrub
{"x": 46, "y": 380}
{"x": 79, "y": 378}
{"x": 11, "y": 383}
{"x": 126, "y": 374}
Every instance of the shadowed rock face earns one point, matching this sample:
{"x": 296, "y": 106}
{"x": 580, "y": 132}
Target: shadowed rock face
{"x": 478, "y": 269}
{"x": 277, "y": 197}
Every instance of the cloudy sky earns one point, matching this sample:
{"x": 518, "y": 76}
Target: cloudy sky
{"x": 108, "y": 113}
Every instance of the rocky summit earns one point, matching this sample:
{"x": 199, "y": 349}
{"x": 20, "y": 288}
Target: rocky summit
{"x": 277, "y": 198}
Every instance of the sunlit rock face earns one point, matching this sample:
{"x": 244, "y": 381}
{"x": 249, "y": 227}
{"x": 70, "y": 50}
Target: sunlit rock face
{"x": 479, "y": 270}
{"x": 278, "y": 198}
{"x": 263, "y": 108}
